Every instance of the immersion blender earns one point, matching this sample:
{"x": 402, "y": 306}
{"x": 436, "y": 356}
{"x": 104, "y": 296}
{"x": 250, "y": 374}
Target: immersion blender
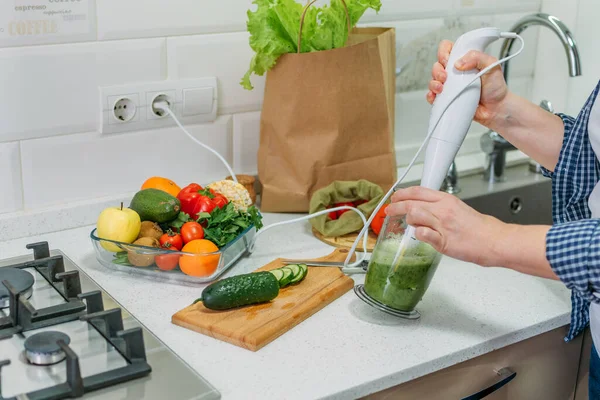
{"x": 452, "y": 113}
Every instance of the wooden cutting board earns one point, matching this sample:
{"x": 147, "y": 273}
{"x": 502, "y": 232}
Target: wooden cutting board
{"x": 347, "y": 241}
{"x": 253, "y": 327}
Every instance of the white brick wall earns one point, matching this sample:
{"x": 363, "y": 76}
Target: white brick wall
{"x": 51, "y": 152}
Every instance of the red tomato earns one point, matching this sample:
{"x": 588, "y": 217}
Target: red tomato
{"x": 171, "y": 241}
{"x": 377, "y": 222}
{"x": 333, "y": 215}
{"x": 359, "y": 202}
{"x": 340, "y": 212}
{"x": 220, "y": 200}
{"x": 191, "y": 231}
{"x": 167, "y": 262}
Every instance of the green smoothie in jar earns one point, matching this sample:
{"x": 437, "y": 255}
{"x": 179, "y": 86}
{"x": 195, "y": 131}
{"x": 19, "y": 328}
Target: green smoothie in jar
{"x": 400, "y": 286}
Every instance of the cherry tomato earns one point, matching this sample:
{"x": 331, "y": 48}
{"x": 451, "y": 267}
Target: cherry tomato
{"x": 191, "y": 231}
{"x": 167, "y": 262}
{"x": 340, "y": 212}
{"x": 377, "y": 222}
{"x": 220, "y": 200}
{"x": 171, "y": 240}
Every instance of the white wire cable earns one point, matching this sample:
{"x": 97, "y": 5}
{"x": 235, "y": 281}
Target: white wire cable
{"x": 510, "y": 35}
{"x": 348, "y": 268}
{"x": 164, "y": 106}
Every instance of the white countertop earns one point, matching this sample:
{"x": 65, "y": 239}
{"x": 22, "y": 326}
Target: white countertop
{"x": 348, "y": 349}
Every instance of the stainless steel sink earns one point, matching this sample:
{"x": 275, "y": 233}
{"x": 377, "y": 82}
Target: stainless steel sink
{"x": 524, "y": 198}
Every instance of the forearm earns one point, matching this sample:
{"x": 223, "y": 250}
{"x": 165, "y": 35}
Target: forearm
{"x": 530, "y": 128}
{"x": 523, "y": 249}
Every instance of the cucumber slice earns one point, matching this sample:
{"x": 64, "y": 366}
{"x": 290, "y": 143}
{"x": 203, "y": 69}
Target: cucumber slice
{"x": 278, "y": 274}
{"x": 288, "y": 275}
{"x": 304, "y": 269}
{"x": 298, "y": 275}
{"x": 296, "y": 270}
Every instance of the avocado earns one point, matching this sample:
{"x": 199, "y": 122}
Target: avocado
{"x": 155, "y": 205}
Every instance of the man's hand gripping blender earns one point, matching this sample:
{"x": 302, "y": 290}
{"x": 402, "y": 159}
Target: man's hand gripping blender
{"x": 450, "y": 119}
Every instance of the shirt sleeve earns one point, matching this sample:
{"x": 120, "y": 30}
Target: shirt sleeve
{"x": 573, "y": 251}
{"x": 568, "y": 122}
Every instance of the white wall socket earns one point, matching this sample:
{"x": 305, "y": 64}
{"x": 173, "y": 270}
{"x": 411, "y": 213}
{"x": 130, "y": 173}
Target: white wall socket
{"x": 129, "y": 107}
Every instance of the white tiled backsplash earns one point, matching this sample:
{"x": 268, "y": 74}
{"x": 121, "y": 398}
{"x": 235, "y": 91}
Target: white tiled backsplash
{"x": 51, "y": 152}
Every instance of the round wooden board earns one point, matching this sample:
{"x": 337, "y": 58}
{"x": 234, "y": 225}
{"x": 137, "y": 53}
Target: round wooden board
{"x": 347, "y": 241}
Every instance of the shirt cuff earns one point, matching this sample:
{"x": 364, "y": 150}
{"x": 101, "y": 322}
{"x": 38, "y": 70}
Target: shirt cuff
{"x": 568, "y": 123}
{"x": 573, "y": 251}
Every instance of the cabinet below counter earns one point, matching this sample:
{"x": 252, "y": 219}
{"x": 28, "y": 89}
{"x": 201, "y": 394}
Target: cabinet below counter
{"x": 542, "y": 367}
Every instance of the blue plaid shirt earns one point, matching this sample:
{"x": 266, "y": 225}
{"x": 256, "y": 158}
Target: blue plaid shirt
{"x": 573, "y": 242}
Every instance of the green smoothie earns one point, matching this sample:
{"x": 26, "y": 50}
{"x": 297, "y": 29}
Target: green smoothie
{"x": 400, "y": 286}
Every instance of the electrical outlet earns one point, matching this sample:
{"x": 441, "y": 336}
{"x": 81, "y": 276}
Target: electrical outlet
{"x": 168, "y": 95}
{"x": 124, "y": 108}
{"x": 129, "y": 107}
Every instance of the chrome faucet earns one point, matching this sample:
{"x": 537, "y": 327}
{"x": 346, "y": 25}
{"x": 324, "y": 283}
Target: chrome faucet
{"x": 450, "y": 184}
{"x": 494, "y": 145}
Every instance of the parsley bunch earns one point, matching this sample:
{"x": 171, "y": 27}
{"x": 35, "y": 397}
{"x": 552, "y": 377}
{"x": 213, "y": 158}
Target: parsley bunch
{"x": 225, "y": 224}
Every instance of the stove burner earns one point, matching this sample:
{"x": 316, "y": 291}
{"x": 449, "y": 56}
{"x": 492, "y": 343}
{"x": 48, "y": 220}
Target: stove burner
{"x": 43, "y": 349}
{"x": 21, "y": 280}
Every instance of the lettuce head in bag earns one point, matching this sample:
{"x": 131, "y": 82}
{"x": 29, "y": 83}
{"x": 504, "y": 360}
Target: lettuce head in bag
{"x": 275, "y": 25}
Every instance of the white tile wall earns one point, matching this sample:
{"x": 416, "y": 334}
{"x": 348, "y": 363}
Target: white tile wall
{"x": 51, "y": 152}
{"x": 523, "y": 64}
{"x": 53, "y": 90}
{"x": 11, "y": 195}
{"x": 119, "y": 19}
{"x": 246, "y": 137}
{"x": 551, "y": 72}
{"x": 493, "y": 6}
{"x": 82, "y": 166}
{"x": 226, "y": 56}
{"x": 586, "y": 33}
{"x": 22, "y": 23}
{"x": 407, "y": 10}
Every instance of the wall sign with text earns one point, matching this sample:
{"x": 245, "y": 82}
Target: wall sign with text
{"x": 26, "y": 22}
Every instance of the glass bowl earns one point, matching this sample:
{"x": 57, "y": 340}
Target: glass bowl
{"x": 155, "y": 263}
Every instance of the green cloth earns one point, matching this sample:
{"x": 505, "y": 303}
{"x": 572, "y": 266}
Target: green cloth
{"x": 340, "y": 192}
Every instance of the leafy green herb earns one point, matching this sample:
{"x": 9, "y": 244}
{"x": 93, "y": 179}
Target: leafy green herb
{"x": 122, "y": 259}
{"x": 275, "y": 25}
{"x": 225, "y": 224}
{"x": 177, "y": 223}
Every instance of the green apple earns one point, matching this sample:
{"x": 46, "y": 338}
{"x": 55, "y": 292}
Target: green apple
{"x": 118, "y": 224}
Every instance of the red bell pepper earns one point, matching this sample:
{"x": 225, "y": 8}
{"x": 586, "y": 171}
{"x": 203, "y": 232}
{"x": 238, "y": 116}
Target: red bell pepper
{"x": 195, "y": 200}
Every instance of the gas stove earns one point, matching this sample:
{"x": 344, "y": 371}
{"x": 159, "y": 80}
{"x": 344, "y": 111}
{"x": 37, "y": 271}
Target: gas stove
{"x": 61, "y": 336}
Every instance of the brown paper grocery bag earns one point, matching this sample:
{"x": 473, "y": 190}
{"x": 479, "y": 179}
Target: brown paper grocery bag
{"x": 328, "y": 116}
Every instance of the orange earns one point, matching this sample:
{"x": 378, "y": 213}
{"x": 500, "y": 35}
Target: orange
{"x": 199, "y": 265}
{"x": 164, "y": 184}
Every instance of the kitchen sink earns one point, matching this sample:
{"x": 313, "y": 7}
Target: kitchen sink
{"x": 524, "y": 198}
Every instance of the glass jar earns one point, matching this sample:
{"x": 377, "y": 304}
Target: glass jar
{"x": 400, "y": 273}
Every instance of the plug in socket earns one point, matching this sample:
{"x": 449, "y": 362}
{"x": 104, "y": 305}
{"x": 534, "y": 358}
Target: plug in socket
{"x": 154, "y": 97}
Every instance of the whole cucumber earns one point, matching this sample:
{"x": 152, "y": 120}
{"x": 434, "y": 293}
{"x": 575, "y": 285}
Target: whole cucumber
{"x": 240, "y": 290}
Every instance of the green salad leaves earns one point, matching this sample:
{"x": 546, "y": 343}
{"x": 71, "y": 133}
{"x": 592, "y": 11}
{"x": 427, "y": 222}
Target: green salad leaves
{"x": 275, "y": 25}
